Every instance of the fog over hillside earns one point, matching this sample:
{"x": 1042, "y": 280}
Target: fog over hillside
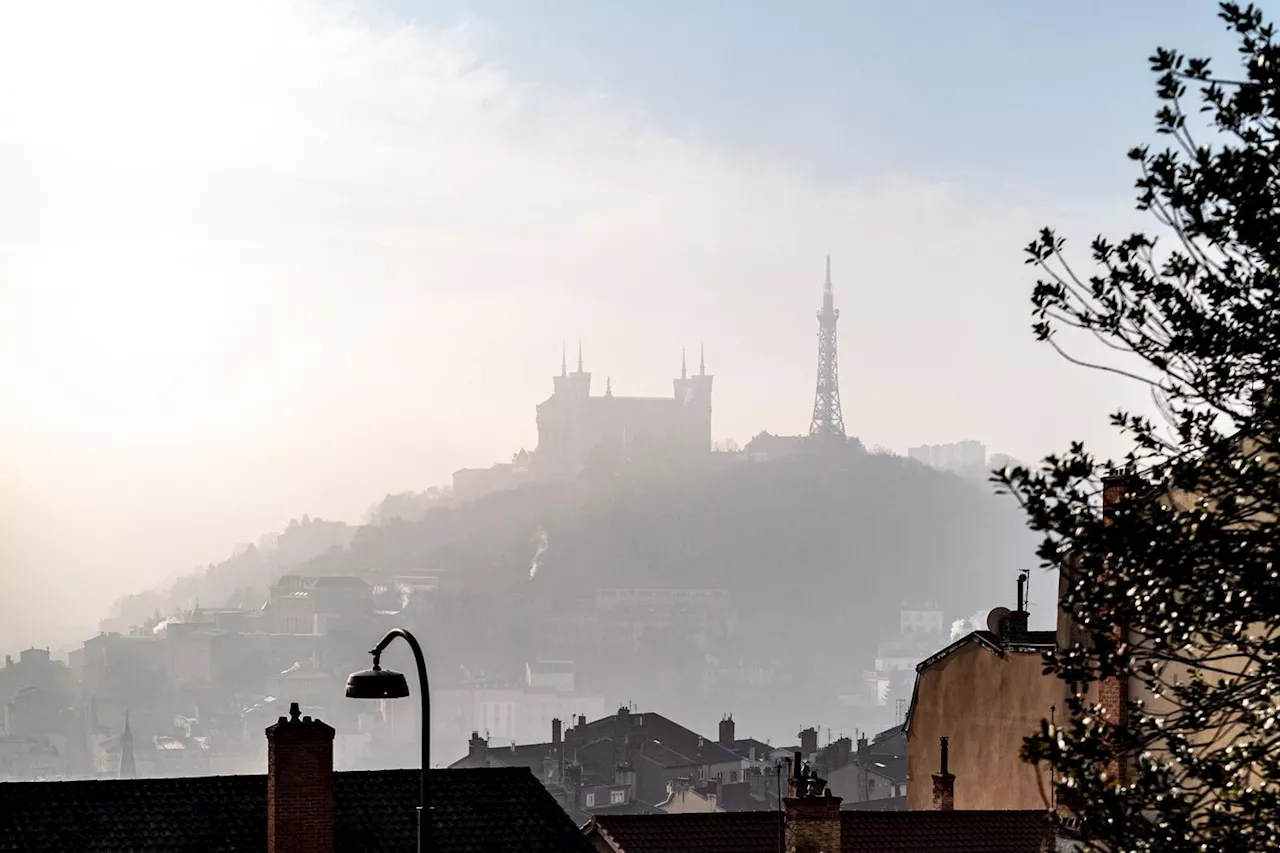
{"x": 817, "y": 554}
{"x": 638, "y": 357}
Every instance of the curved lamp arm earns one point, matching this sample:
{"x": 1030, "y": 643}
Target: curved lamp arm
{"x": 424, "y": 809}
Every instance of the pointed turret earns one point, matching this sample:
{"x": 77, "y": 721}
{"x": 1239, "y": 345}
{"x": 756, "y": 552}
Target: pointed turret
{"x": 128, "y": 767}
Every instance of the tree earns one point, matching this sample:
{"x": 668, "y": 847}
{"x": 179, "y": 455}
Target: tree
{"x": 1177, "y": 590}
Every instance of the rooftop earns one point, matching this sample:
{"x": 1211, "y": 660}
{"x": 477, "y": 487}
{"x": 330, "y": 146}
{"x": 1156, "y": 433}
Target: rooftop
{"x": 860, "y": 832}
{"x": 474, "y": 810}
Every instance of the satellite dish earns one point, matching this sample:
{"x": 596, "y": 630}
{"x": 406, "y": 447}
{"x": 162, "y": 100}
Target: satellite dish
{"x": 996, "y": 618}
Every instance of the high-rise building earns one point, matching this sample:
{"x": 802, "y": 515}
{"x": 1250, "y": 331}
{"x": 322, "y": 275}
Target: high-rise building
{"x": 960, "y": 457}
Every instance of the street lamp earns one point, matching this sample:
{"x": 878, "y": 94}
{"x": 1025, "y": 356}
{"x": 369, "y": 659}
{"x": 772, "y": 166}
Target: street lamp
{"x": 379, "y": 683}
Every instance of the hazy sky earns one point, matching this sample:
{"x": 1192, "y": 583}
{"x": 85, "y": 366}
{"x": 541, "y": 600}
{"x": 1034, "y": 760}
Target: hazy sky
{"x": 271, "y": 258}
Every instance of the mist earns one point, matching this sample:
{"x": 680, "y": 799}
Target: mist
{"x": 271, "y": 273}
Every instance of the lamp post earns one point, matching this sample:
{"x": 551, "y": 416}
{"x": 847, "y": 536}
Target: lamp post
{"x": 379, "y": 683}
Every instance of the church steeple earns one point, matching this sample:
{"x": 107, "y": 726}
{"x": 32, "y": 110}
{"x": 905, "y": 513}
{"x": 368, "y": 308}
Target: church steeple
{"x": 128, "y": 768}
{"x": 684, "y": 373}
{"x": 564, "y": 361}
{"x": 702, "y": 359}
{"x": 579, "y": 355}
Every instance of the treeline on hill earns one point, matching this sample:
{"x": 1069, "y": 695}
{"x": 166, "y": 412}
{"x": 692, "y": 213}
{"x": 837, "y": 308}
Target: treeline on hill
{"x": 822, "y": 548}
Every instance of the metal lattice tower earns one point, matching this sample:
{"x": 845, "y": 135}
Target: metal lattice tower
{"x": 827, "y": 420}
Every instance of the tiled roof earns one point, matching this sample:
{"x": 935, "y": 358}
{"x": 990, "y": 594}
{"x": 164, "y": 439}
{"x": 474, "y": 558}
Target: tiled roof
{"x": 884, "y": 804}
{"x": 860, "y": 832}
{"x": 730, "y": 832}
{"x": 944, "y": 832}
{"x": 374, "y": 812}
{"x": 648, "y": 725}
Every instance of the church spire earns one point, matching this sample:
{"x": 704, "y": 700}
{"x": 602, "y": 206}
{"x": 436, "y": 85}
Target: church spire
{"x": 608, "y": 386}
{"x": 702, "y": 359}
{"x": 684, "y": 373}
{"x": 579, "y": 354}
{"x": 564, "y": 361}
{"x": 128, "y": 768}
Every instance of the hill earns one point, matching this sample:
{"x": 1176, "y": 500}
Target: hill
{"x": 817, "y": 552}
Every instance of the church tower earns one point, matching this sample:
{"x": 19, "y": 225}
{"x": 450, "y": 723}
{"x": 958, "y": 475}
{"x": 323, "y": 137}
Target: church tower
{"x": 693, "y": 394}
{"x": 828, "y": 422}
{"x": 576, "y": 384}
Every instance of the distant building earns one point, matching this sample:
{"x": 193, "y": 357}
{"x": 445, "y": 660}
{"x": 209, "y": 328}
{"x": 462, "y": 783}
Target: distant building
{"x": 700, "y": 616}
{"x": 766, "y": 446}
{"x": 515, "y": 712}
{"x": 471, "y": 484}
{"x": 966, "y": 458}
{"x": 302, "y": 604}
{"x": 627, "y": 763}
{"x": 574, "y": 426}
{"x": 812, "y": 818}
{"x": 875, "y": 771}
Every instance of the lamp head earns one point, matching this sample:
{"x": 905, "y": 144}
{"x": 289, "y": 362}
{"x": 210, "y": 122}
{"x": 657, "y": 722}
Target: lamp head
{"x": 377, "y": 683}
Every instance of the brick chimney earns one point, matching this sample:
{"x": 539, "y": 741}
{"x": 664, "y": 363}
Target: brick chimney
{"x": 557, "y": 732}
{"x": 808, "y": 741}
{"x": 478, "y": 750}
{"x": 622, "y": 738}
{"x": 944, "y": 784}
{"x": 299, "y": 785}
{"x": 727, "y": 738}
{"x": 812, "y": 813}
{"x": 1113, "y": 692}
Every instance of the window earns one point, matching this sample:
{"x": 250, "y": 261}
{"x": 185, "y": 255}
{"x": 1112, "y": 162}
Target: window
{"x": 591, "y": 799}
{"x": 733, "y": 775}
{"x": 617, "y": 797}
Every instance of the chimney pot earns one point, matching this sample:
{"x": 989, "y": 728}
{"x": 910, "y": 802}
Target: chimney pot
{"x": 727, "y": 735}
{"x": 944, "y": 783}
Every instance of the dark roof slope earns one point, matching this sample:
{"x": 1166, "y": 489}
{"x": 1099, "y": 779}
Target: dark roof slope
{"x": 860, "y": 832}
{"x": 374, "y": 812}
{"x": 647, "y": 725}
{"x": 884, "y": 804}
{"x": 708, "y": 832}
{"x": 944, "y": 832}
